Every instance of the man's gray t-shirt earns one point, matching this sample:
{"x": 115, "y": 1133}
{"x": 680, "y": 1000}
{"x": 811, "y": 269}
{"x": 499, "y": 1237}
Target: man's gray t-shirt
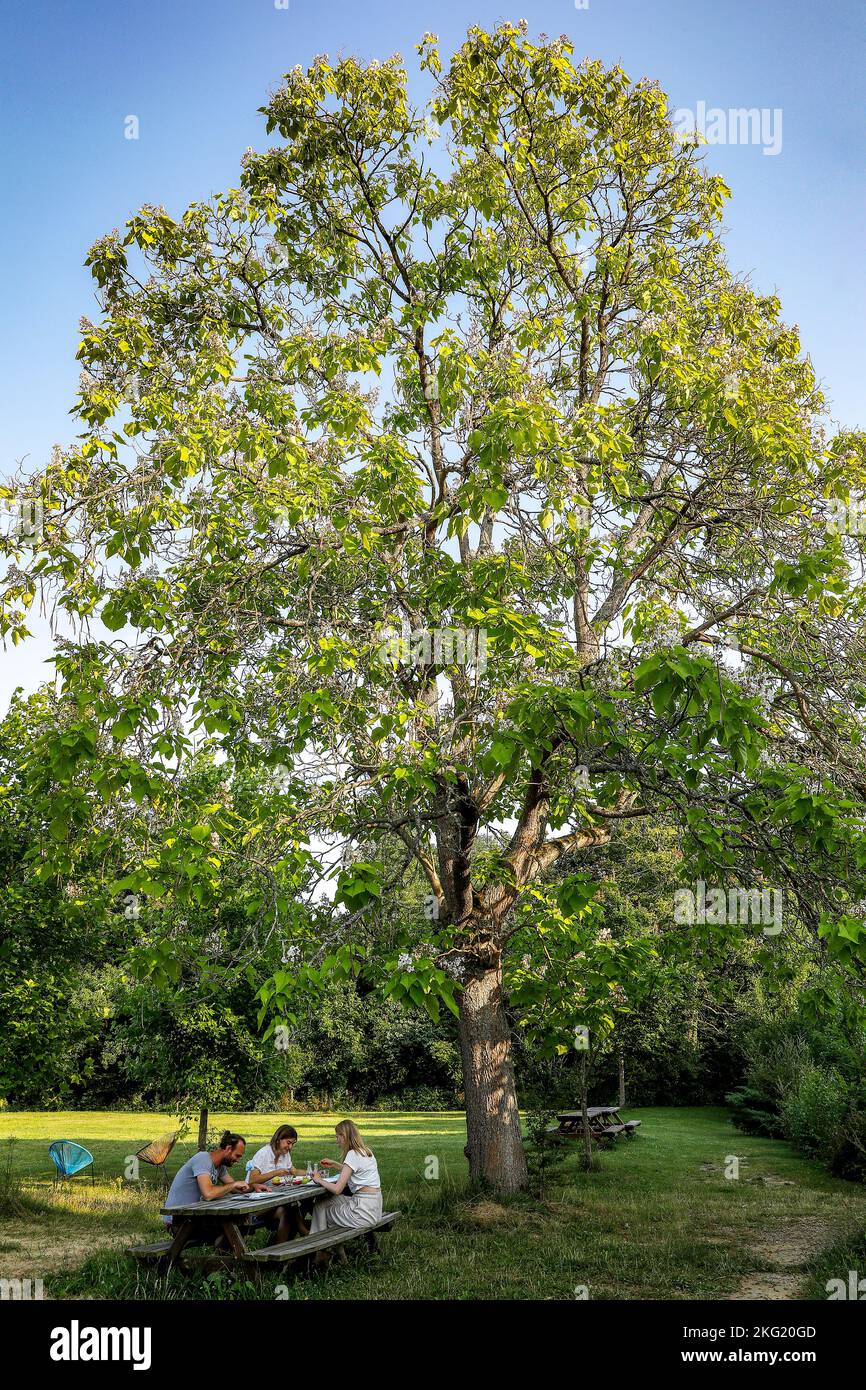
{"x": 184, "y": 1190}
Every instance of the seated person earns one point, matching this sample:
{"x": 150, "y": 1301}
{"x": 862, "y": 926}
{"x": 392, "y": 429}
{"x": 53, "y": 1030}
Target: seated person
{"x": 274, "y": 1160}
{"x": 205, "y": 1177}
{"x": 362, "y": 1204}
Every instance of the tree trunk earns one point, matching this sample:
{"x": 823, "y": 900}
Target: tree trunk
{"x": 495, "y": 1145}
{"x": 202, "y": 1129}
{"x": 584, "y": 1110}
{"x": 621, "y": 1061}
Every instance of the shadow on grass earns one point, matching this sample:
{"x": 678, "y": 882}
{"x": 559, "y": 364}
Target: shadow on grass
{"x": 15, "y": 1200}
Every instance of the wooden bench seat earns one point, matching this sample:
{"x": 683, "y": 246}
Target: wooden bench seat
{"x": 288, "y": 1251}
{"x": 596, "y": 1131}
{"x": 209, "y": 1260}
{"x": 156, "y": 1250}
{"x": 631, "y": 1125}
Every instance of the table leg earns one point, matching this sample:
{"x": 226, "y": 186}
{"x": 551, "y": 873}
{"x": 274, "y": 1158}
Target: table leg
{"x": 305, "y": 1216}
{"x": 237, "y": 1244}
{"x": 180, "y": 1240}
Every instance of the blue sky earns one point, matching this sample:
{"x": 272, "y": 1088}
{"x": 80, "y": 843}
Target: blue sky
{"x": 194, "y": 73}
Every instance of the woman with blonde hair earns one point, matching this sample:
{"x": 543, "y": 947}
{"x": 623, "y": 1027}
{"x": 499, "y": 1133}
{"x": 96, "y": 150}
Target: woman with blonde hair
{"x": 359, "y": 1172}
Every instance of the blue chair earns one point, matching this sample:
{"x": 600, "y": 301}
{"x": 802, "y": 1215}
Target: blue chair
{"x": 70, "y": 1158}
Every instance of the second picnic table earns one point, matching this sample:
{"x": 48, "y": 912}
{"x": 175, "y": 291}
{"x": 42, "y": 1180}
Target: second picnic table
{"x": 604, "y": 1122}
{"x": 232, "y": 1213}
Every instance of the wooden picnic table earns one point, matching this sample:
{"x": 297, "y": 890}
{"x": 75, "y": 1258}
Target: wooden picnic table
{"x": 232, "y": 1213}
{"x": 591, "y": 1110}
{"x": 604, "y": 1122}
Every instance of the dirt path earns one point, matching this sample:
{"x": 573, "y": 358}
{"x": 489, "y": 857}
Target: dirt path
{"x": 790, "y": 1248}
{"x": 29, "y": 1252}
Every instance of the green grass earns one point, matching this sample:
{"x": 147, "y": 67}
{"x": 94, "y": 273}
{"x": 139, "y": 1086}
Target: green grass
{"x": 653, "y": 1222}
{"x": 835, "y": 1262}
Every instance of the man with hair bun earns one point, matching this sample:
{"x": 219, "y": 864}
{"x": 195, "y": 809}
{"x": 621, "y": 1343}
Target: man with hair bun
{"x": 206, "y": 1176}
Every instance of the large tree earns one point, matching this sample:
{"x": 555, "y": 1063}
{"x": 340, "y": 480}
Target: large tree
{"x": 473, "y": 367}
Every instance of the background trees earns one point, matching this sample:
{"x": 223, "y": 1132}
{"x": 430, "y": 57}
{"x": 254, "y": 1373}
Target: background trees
{"x": 103, "y": 1004}
{"x": 52, "y": 933}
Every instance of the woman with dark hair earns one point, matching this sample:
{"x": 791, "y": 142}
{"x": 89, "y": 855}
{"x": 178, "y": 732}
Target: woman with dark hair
{"x": 274, "y": 1160}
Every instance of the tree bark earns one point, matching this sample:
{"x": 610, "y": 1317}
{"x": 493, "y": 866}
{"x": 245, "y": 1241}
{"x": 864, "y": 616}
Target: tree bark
{"x": 584, "y": 1111}
{"x": 496, "y": 1154}
{"x": 621, "y": 1062}
{"x": 202, "y": 1129}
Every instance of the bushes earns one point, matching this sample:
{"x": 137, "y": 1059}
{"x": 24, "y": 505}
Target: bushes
{"x": 805, "y": 1083}
{"x": 754, "y": 1114}
{"x": 774, "y": 1064}
{"x": 546, "y": 1150}
{"x": 849, "y": 1160}
{"x": 813, "y": 1112}
{"x": 416, "y": 1098}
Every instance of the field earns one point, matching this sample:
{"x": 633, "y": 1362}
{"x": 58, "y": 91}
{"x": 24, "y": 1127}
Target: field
{"x": 659, "y": 1219}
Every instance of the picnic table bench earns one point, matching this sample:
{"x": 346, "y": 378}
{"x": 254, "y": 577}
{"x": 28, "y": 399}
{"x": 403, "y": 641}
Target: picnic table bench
{"x": 307, "y": 1247}
{"x": 604, "y": 1122}
{"x": 233, "y": 1214}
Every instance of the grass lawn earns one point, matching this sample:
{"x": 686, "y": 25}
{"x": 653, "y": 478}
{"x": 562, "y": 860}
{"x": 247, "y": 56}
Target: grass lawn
{"x": 658, "y": 1220}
